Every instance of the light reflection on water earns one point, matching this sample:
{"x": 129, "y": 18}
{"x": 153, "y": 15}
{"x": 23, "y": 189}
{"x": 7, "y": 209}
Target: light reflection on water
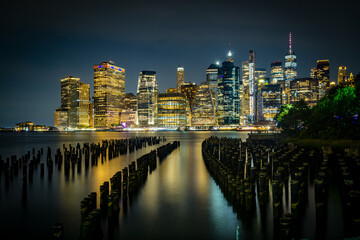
{"x": 179, "y": 199}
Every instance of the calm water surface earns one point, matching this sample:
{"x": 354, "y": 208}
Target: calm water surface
{"x": 179, "y": 200}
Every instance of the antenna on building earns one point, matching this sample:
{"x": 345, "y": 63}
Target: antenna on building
{"x": 290, "y": 43}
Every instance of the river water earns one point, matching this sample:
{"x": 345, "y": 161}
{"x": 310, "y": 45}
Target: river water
{"x": 179, "y": 200}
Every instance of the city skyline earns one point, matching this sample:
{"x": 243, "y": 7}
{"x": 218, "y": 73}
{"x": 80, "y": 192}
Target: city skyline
{"x": 43, "y": 47}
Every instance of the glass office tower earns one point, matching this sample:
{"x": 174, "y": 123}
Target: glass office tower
{"x": 147, "y": 93}
{"x": 109, "y": 94}
{"x": 228, "y": 95}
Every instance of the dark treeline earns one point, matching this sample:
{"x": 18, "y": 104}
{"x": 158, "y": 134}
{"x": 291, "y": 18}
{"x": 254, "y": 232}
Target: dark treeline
{"x": 335, "y": 116}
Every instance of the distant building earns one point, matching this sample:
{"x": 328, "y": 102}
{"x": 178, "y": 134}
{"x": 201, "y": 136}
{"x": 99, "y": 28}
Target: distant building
{"x": 189, "y": 90}
{"x": 252, "y": 87}
{"x": 244, "y": 96}
{"x": 147, "y": 96}
{"x": 128, "y": 114}
{"x": 29, "y": 126}
{"x": 277, "y": 72}
{"x": 212, "y": 80}
{"x": 203, "y": 115}
{"x": 290, "y": 68}
{"x": 109, "y": 94}
{"x": 271, "y": 101}
{"x": 228, "y": 93}
{"x": 342, "y": 75}
{"x": 323, "y": 76}
{"x": 75, "y": 109}
{"x": 180, "y": 78}
{"x": 306, "y": 89}
{"x": 261, "y": 80}
{"x": 313, "y": 73}
{"x": 171, "y": 109}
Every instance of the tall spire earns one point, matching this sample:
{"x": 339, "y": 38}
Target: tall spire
{"x": 290, "y": 44}
{"x": 230, "y": 56}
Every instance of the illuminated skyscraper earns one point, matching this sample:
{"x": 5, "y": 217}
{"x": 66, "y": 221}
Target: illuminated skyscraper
{"x": 147, "y": 94}
{"x": 252, "y": 87}
{"x": 228, "y": 96}
{"x": 172, "y": 109}
{"x": 271, "y": 101}
{"x": 83, "y": 105}
{"x": 189, "y": 90}
{"x": 128, "y": 114}
{"x": 342, "y": 75}
{"x": 75, "y": 104}
{"x": 203, "y": 114}
{"x": 261, "y": 80}
{"x": 109, "y": 94}
{"x": 290, "y": 71}
{"x": 306, "y": 89}
{"x": 323, "y": 75}
{"x": 277, "y": 72}
{"x": 290, "y": 63}
{"x": 212, "y": 80}
{"x": 180, "y": 77}
{"x": 244, "y": 94}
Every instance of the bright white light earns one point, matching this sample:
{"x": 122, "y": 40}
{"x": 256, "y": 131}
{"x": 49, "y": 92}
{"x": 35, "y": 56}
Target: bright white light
{"x": 217, "y": 63}
{"x": 229, "y": 54}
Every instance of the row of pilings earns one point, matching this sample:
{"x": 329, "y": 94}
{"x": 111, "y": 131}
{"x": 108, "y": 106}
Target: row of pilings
{"x": 124, "y": 185}
{"x": 256, "y": 172}
{"x": 71, "y": 158}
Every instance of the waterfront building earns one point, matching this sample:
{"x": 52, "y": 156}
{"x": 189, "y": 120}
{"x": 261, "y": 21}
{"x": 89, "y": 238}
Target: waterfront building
{"x": 109, "y": 93}
{"x": 260, "y": 80}
{"x": 128, "y": 114}
{"x": 147, "y": 94}
{"x": 203, "y": 114}
{"x": 244, "y": 94}
{"x": 350, "y": 81}
{"x": 277, "y": 72}
{"x": 74, "y": 112}
{"x": 323, "y": 76}
{"x": 271, "y": 101}
{"x": 342, "y": 75}
{"x": 189, "y": 90}
{"x": 306, "y": 89}
{"x": 212, "y": 80}
{"x": 171, "y": 109}
{"x": 180, "y": 77}
{"x": 252, "y": 87}
{"x": 83, "y": 105}
{"x": 228, "y": 93}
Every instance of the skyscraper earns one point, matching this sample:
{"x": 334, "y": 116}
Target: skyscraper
{"x": 75, "y": 104}
{"x": 203, "y": 115}
{"x": 180, "y": 77}
{"x": 323, "y": 75}
{"x": 147, "y": 93}
{"x": 128, "y": 114}
{"x": 261, "y": 80}
{"x": 212, "y": 80}
{"x": 342, "y": 75}
{"x": 228, "y": 96}
{"x": 252, "y": 87}
{"x": 290, "y": 63}
{"x": 83, "y": 105}
{"x": 189, "y": 90}
{"x": 277, "y": 72}
{"x": 306, "y": 89}
{"x": 172, "y": 109}
{"x": 290, "y": 71}
{"x": 109, "y": 93}
{"x": 271, "y": 96}
{"x": 244, "y": 94}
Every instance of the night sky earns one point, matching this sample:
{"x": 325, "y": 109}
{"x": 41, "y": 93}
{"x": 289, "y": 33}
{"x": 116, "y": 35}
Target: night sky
{"x": 45, "y": 41}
